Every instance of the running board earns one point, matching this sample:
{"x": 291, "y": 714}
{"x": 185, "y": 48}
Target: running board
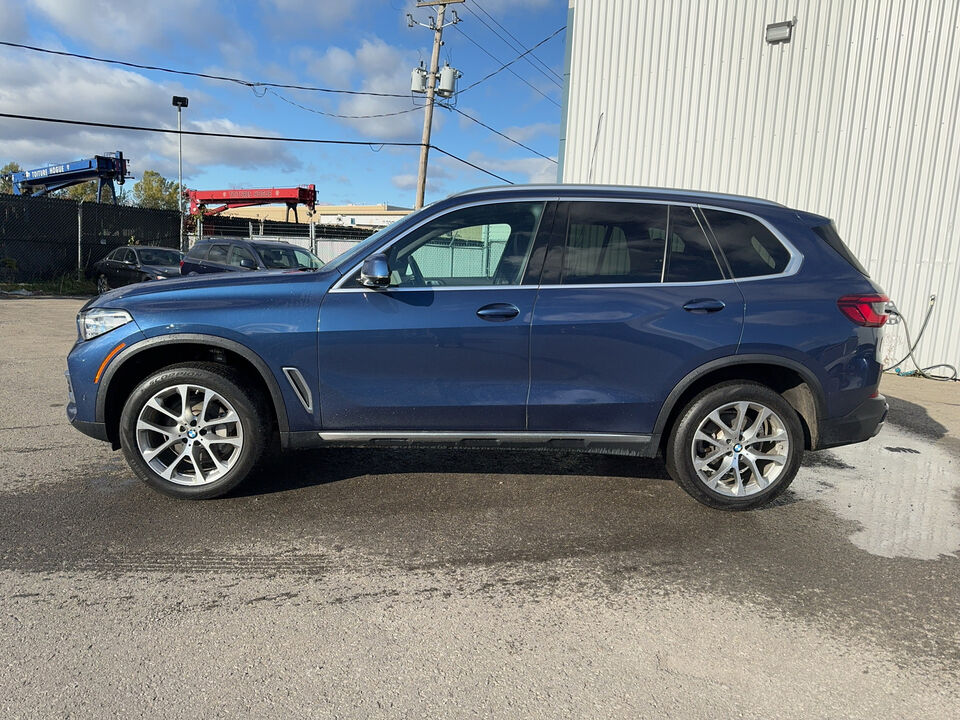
{"x": 611, "y": 443}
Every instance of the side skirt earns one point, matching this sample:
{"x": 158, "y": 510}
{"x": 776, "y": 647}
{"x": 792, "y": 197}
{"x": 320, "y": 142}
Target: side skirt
{"x": 606, "y": 443}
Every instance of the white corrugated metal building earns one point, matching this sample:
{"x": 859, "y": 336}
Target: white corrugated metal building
{"x": 857, "y": 117}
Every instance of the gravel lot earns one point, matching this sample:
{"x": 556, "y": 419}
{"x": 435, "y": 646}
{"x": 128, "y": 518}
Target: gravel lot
{"x": 349, "y": 583}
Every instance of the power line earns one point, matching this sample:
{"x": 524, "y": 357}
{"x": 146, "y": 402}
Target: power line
{"x": 236, "y": 136}
{"x": 518, "y": 41}
{"x": 557, "y": 81}
{"x": 497, "y": 132}
{"x": 506, "y": 65}
{"x": 338, "y": 115}
{"x": 512, "y": 71}
{"x": 206, "y": 76}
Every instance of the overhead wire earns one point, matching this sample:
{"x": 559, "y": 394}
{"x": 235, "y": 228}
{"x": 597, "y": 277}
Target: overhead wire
{"x": 512, "y": 71}
{"x": 243, "y": 136}
{"x": 520, "y": 56}
{"x": 497, "y": 132}
{"x": 556, "y": 79}
{"x": 205, "y": 76}
{"x": 339, "y": 115}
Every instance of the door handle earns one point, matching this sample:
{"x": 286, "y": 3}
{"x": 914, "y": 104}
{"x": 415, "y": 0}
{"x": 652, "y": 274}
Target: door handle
{"x": 498, "y": 312}
{"x": 704, "y": 305}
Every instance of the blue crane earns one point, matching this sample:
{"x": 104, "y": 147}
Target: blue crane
{"x": 106, "y": 169}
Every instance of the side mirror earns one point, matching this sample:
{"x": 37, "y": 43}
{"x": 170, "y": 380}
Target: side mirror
{"x": 374, "y": 273}
{"x": 248, "y": 264}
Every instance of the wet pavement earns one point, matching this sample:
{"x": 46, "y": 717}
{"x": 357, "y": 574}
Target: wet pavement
{"x": 346, "y": 583}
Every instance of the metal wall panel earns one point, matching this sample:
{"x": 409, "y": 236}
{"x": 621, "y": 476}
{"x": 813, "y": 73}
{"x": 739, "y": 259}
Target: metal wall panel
{"x": 858, "y": 119}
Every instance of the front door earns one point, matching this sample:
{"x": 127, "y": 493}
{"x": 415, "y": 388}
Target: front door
{"x": 446, "y": 345}
{"x": 633, "y": 298}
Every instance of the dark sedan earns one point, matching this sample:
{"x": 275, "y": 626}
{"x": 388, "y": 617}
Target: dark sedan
{"x": 132, "y": 264}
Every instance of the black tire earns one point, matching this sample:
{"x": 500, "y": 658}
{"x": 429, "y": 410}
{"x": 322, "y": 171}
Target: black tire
{"x": 254, "y": 419}
{"x": 680, "y": 444}
{"x": 102, "y": 284}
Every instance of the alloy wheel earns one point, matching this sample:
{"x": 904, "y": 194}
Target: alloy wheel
{"x": 189, "y": 434}
{"x": 740, "y": 448}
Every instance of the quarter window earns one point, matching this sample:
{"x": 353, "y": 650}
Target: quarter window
{"x": 475, "y": 246}
{"x": 749, "y": 246}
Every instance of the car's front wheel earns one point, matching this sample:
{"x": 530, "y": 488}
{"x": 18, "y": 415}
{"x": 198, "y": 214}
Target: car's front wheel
{"x": 735, "y": 446}
{"x": 192, "y": 431}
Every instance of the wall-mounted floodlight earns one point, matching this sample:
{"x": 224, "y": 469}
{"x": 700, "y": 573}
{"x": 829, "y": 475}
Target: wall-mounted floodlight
{"x": 781, "y": 32}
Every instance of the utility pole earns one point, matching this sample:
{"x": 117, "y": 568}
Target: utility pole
{"x": 180, "y": 103}
{"x": 431, "y": 89}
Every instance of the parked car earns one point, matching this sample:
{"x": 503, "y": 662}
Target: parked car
{"x": 212, "y": 255}
{"x": 136, "y": 263}
{"x": 727, "y": 334}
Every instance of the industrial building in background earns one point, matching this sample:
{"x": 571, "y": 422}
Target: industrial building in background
{"x": 361, "y": 216}
{"x": 846, "y": 109}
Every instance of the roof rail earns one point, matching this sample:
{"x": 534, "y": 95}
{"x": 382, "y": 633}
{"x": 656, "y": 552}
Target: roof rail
{"x": 624, "y": 189}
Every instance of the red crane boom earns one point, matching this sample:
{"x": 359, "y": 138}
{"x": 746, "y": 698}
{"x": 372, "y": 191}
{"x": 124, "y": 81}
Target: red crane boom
{"x": 248, "y": 197}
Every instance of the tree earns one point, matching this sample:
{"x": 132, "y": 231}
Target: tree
{"x": 153, "y": 190}
{"x": 84, "y": 192}
{"x": 6, "y": 181}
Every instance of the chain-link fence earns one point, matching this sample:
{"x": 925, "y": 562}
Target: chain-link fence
{"x": 46, "y": 238}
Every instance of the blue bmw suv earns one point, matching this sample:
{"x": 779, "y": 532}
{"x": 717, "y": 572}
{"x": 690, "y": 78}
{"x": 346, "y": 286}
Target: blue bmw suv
{"x": 727, "y": 334}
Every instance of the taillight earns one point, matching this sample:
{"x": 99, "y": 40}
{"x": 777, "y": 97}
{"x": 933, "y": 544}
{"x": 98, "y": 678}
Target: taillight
{"x": 865, "y": 310}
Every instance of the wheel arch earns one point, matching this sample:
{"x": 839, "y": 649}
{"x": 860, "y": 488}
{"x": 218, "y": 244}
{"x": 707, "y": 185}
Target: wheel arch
{"x": 796, "y": 382}
{"x": 139, "y": 360}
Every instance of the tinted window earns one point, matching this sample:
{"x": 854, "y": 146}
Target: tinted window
{"x": 238, "y": 254}
{"x": 750, "y": 248}
{"x": 158, "y": 256}
{"x": 614, "y": 243}
{"x": 482, "y": 245}
{"x": 128, "y": 256}
{"x": 829, "y": 234}
{"x": 198, "y": 252}
{"x": 218, "y": 254}
{"x": 689, "y": 255}
{"x": 279, "y": 257}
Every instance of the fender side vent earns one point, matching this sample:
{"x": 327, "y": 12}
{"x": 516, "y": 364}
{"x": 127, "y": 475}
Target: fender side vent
{"x": 300, "y": 387}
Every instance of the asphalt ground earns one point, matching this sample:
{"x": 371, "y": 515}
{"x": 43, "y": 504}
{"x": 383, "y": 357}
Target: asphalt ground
{"x": 380, "y": 583}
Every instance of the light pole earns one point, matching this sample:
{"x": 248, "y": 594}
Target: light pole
{"x": 180, "y": 102}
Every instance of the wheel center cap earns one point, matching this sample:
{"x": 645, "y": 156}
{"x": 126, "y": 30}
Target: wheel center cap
{"x": 736, "y": 448}
{"x": 191, "y": 433}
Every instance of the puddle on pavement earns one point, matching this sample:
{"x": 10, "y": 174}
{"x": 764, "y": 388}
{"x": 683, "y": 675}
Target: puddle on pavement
{"x": 903, "y": 490}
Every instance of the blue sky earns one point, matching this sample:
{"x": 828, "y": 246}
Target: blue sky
{"x": 349, "y": 44}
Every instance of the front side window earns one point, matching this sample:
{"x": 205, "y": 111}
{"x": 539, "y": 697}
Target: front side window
{"x": 749, "y": 246}
{"x": 239, "y": 254}
{"x": 475, "y": 246}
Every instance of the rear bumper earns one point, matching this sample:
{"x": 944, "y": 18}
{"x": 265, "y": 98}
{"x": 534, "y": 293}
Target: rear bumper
{"x": 861, "y": 424}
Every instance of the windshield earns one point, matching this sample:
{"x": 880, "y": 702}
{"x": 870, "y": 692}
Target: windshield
{"x": 159, "y": 256}
{"x": 288, "y": 258}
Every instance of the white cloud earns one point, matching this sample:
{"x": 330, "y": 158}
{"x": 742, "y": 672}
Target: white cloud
{"x": 524, "y": 133}
{"x": 46, "y": 87}
{"x": 13, "y": 21}
{"x": 528, "y": 170}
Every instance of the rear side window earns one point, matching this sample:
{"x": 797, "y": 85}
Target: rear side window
{"x": 614, "y": 242}
{"x": 829, "y": 234}
{"x": 749, "y": 246}
{"x": 689, "y": 257}
{"x": 218, "y": 254}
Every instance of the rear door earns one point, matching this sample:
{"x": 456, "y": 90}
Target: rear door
{"x": 216, "y": 260}
{"x": 633, "y": 298}
{"x": 446, "y": 346}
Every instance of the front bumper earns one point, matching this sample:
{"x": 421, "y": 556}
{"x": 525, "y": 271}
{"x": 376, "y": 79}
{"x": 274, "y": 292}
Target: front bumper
{"x": 861, "y": 424}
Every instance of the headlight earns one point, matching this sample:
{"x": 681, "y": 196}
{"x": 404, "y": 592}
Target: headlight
{"x": 100, "y": 320}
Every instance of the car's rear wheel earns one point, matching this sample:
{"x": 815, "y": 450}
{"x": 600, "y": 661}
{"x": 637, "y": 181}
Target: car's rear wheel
{"x": 735, "y": 446}
{"x": 102, "y": 284}
{"x": 192, "y": 431}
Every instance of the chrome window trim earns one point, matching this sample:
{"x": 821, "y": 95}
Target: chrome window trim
{"x": 347, "y": 276}
{"x": 793, "y": 265}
